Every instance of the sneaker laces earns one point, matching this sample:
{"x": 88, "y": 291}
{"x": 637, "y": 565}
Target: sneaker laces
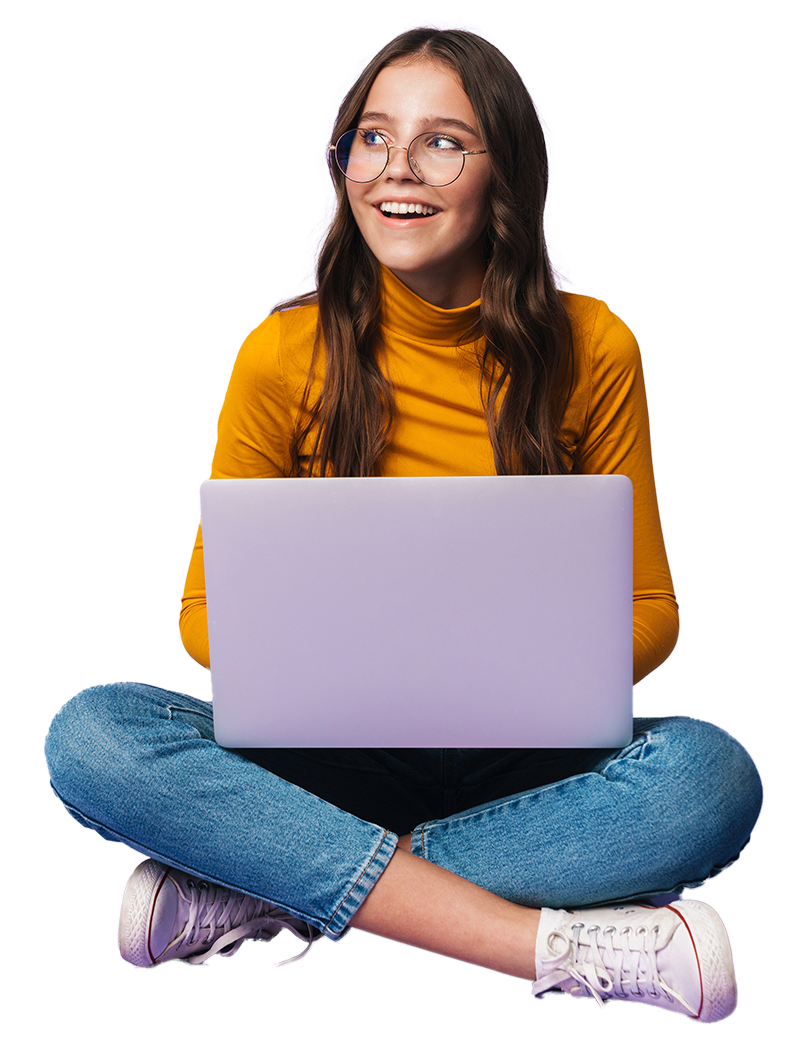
{"x": 214, "y": 909}
{"x": 613, "y": 963}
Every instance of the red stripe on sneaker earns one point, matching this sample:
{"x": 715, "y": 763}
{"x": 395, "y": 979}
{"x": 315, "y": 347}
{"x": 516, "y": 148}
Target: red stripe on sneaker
{"x": 696, "y": 954}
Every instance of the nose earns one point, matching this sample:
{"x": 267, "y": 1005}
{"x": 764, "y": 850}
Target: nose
{"x": 399, "y": 165}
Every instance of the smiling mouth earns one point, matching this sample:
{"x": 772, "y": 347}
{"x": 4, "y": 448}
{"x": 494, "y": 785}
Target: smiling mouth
{"x": 395, "y": 209}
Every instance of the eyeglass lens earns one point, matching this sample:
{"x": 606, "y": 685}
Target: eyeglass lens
{"x": 434, "y": 158}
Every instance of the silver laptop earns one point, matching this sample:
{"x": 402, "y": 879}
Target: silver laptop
{"x": 420, "y": 611}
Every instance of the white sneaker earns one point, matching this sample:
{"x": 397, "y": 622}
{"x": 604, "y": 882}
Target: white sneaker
{"x": 168, "y": 914}
{"x": 676, "y": 957}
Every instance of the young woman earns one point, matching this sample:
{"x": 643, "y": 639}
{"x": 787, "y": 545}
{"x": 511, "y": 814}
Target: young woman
{"x": 435, "y": 343}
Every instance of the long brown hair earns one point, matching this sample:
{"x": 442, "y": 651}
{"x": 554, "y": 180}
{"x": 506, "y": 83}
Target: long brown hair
{"x": 528, "y": 347}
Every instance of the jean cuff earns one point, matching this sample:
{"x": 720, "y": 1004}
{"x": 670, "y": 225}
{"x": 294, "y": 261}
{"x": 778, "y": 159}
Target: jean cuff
{"x": 366, "y": 880}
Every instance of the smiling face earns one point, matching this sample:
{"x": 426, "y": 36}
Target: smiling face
{"x": 436, "y": 253}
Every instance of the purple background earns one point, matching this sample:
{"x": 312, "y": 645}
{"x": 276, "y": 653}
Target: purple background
{"x": 673, "y": 198}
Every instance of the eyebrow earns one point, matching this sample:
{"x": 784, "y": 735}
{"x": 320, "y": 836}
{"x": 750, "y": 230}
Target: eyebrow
{"x": 434, "y": 122}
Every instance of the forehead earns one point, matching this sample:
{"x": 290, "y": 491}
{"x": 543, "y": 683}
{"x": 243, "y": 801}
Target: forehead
{"x": 419, "y": 91}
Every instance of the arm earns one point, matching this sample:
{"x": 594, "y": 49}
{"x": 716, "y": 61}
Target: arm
{"x": 255, "y": 427}
{"x": 607, "y": 418}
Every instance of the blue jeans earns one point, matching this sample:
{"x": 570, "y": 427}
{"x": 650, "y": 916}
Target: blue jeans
{"x": 312, "y": 830}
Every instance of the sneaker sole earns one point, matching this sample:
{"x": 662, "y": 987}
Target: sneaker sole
{"x": 137, "y": 908}
{"x": 713, "y": 952}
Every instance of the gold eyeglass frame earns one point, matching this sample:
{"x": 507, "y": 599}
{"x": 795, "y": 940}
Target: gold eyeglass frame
{"x": 465, "y": 152}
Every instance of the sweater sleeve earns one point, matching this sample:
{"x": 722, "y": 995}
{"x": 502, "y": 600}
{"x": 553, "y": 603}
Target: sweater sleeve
{"x": 255, "y": 427}
{"x": 613, "y": 437}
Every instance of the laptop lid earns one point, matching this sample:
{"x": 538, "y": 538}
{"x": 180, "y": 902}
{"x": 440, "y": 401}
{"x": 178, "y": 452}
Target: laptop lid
{"x": 420, "y": 611}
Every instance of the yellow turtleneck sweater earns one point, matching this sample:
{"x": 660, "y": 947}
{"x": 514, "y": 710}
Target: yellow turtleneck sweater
{"x": 440, "y": 428}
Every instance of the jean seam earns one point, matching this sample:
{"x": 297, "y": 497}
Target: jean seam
{"x": 421, "y": 832}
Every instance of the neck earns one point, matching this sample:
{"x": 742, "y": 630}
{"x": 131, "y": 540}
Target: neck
{"x": 446, "y": 290}
{"x": 408, "y": 314}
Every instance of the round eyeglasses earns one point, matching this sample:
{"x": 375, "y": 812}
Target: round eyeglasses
{"x": 435, "y": 158}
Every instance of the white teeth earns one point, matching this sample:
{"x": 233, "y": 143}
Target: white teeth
{"x": 394, "y": 208}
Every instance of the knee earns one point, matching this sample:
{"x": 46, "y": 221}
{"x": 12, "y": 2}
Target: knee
{"x": 719, "y": 788}
{"x": 86, "y": 730}
{"x": 73, "y": 734}
{"x": 108, "y": 731}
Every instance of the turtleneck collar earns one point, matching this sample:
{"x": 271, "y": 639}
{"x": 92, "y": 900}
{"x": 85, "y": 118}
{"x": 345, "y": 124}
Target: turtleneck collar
{"x": 407, "y": 314}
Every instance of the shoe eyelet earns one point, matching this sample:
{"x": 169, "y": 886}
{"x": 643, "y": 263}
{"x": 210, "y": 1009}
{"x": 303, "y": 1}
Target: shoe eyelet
{"x": 190, "y": 884}
{"x": 203, "y": 885}
{"x": 610, "y": 930}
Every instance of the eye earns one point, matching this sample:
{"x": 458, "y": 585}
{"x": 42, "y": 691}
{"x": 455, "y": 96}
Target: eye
{"x": 443, "y": 144}
{"x": 371, "y": 138}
